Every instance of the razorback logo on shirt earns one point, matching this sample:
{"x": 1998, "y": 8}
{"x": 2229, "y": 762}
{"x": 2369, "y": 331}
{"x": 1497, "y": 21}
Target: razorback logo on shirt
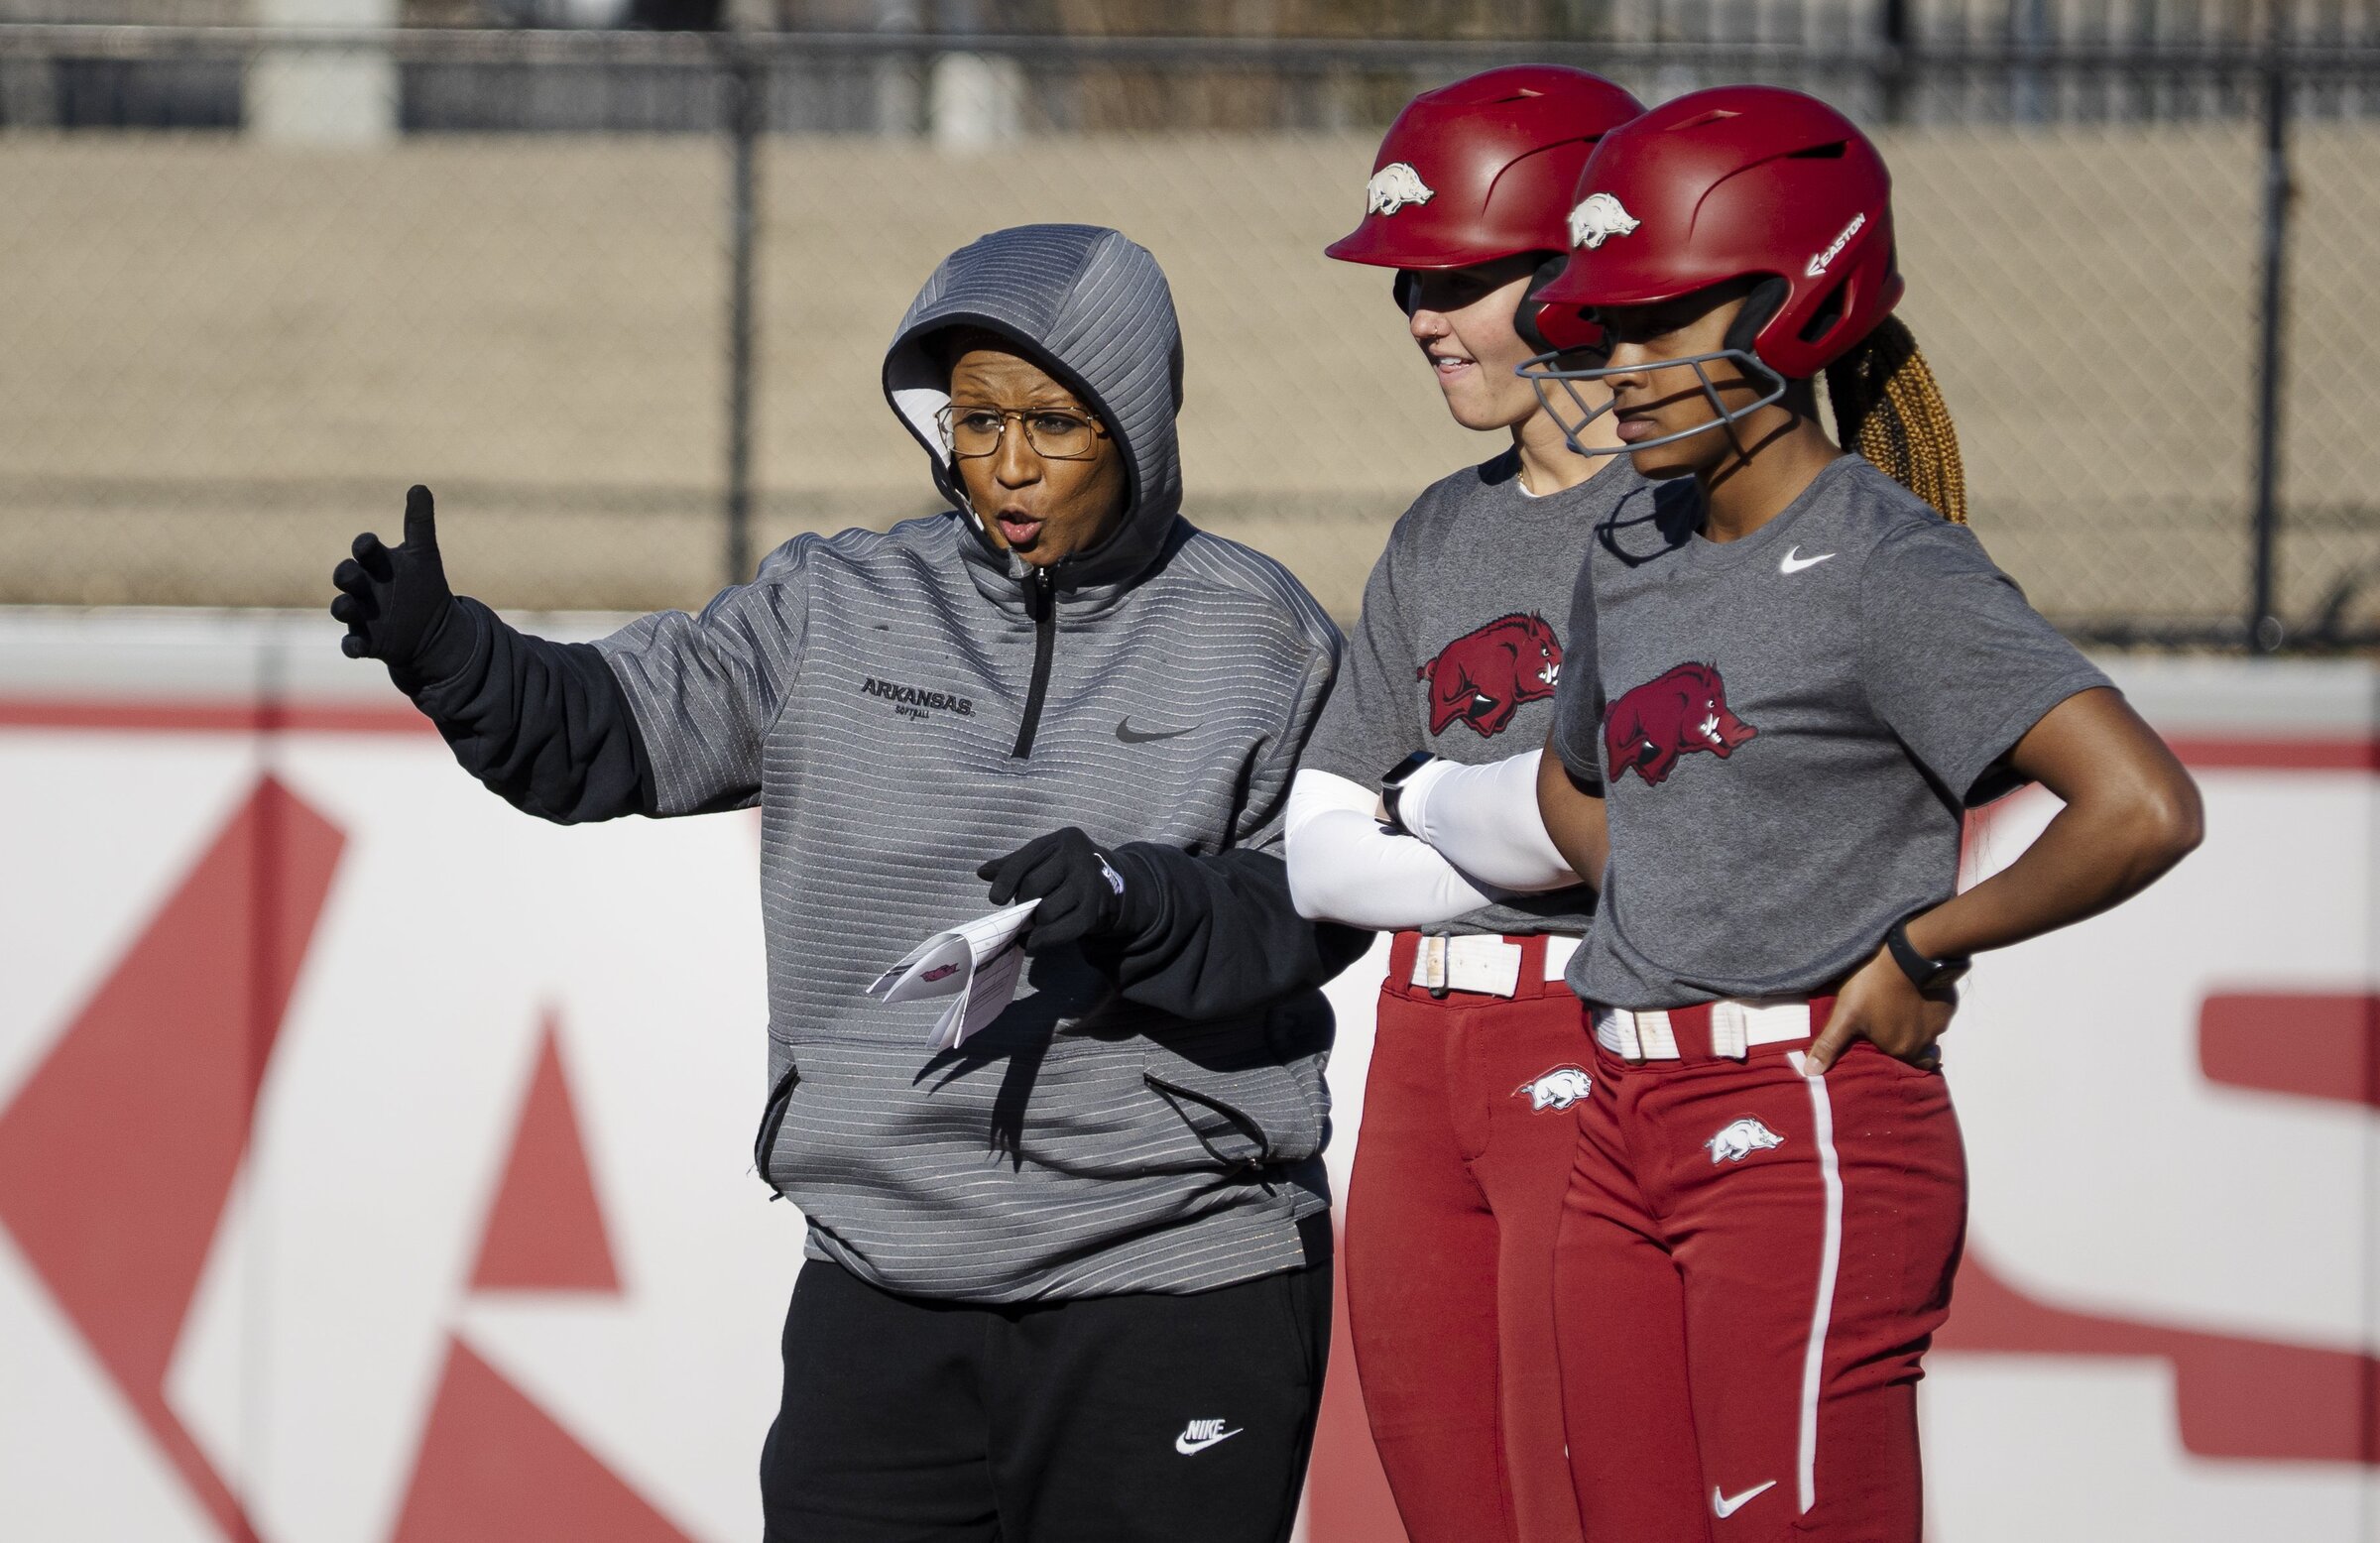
{"x": 1481, "y": 677}
{"x": 1684, "y": 709}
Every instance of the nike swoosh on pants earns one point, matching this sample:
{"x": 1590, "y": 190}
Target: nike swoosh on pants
{"x": 1186, "y": 1447}
{"x": 1725, "y": 1505}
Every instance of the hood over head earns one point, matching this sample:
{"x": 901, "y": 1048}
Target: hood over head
{"x": 1093, "y": 308}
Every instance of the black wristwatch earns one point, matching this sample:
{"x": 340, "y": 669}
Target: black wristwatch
{"x": 1926, "y": 974}
{"x": 1393, "y": 783}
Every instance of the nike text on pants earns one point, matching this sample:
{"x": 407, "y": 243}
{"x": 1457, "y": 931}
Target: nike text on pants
{"x": 1139, "y": 1418}
{"x": 1464, "y": 1152}
{"x": 1780, "y": 1247}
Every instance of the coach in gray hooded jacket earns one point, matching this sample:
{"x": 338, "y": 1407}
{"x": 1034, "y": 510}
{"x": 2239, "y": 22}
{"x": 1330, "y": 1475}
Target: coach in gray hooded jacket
{"x": 1069, "y": 1279}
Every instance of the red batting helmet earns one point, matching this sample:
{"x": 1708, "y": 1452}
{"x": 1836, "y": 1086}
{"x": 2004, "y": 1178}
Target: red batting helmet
{"x": 1741, "y": 182}
{"x": 1737, "y": 182}
{"x": 1485, "y": 169}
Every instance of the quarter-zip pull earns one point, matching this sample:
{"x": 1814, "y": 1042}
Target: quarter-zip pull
{"x": 1042, "y": 603}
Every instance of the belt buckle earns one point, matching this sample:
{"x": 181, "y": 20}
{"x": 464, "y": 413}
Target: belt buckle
{"x": 1487, "y": 966}
{"x": 1730, "y": 1029}
{"x": 1632, "y": 1042}
{"x": 1433, "y": 965}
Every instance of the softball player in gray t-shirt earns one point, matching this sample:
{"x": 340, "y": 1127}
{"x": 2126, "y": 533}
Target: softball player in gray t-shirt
{"x": 1464, "y": 1148}
{"x": 1789, "y": 675}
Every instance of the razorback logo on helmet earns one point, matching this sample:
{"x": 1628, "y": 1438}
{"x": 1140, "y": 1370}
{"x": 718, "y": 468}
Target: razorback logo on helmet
{"x": 1394, "y": 186}
{"x": 1482, "y": 677}
{"x": 1683, "y": 709}
{"x": 1597, "y": 219}
{"x": 1818, "y": 264}
{"x": 1558, "y": 1089}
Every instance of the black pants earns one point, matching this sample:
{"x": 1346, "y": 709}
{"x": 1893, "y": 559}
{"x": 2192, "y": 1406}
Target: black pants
{"x": 1171, "y": 1419}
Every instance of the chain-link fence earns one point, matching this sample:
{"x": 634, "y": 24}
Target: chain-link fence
{"x": 621, "y": 298}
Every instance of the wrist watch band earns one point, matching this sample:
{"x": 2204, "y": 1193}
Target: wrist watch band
{"x": 1925, "y": 972}
{"x": 1392, "y": 785}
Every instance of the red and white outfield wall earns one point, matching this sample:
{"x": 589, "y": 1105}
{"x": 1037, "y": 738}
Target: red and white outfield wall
{"x": 370, "y": 1174}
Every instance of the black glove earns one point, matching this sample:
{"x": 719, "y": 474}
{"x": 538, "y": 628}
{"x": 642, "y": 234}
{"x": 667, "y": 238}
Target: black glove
{"x": 396, "y": 604}
{"x": 1083, "y": 895}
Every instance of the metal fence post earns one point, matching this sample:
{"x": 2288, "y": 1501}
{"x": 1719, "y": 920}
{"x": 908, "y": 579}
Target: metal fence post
{"x": 1893, "y": 24}
{"x": 745, "y": 86}
{"x": 2029, "y": 35}
{"x": 2264, "y": 634}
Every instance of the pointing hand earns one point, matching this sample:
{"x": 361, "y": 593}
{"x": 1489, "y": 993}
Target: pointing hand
{"x": 395, "y": 603}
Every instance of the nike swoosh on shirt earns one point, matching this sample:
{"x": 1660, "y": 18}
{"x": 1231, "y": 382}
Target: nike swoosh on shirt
{"x": 1184, "y": 1444}
{"x": 1131, "y": 735}
{"x": 1727, "y": 1505}
{"x": 1792, "y": 565}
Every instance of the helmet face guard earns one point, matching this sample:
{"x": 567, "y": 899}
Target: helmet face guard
{"x": 1545, "y": 372}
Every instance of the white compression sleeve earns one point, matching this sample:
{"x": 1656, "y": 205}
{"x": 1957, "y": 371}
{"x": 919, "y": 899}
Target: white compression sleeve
{"x": 1484, "y": 821}
{"x": 1345, "y": 868}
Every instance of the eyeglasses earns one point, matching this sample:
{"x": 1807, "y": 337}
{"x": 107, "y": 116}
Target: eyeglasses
{"x": 1054, "y": 435}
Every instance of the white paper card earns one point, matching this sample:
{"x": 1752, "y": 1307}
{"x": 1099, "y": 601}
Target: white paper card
{"x": 978, "y": 962}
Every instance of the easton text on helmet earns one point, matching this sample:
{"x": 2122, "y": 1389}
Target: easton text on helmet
{"x": 1394, "y": 186}
{"x": 1597, "y": 219}
{"x": 1818, "y": 264}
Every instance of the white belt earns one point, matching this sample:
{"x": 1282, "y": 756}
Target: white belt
{"x": 1735, "y": 1026}
{"x": 1484, "y": 964}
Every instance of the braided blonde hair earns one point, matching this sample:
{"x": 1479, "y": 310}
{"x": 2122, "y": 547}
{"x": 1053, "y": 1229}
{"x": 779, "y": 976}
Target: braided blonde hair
{"x": 1888, "y": 407}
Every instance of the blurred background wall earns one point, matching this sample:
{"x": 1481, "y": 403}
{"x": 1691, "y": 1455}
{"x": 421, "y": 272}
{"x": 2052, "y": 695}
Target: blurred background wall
{"x": 621, "y": 295}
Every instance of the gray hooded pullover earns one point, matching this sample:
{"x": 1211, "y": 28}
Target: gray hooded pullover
{"x": 1148, "y": 1115}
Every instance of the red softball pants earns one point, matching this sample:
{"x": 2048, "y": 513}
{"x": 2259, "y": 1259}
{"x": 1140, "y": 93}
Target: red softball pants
{"x": 1460, "y": 1166}
{"x": 1751, "y": 1263}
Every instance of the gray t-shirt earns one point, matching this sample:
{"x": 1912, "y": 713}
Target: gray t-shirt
{"x": 1459, "y": 649}
{"x": 1789, "y": 729}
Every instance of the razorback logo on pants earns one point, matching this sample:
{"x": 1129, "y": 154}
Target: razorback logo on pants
{"x": 1481, "y": 677}
{"x": 1684, "y": 709}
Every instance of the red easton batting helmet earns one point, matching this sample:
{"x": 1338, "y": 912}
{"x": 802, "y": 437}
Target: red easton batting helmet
{"x": 1485, "y": 169}
{"x": 1739, "y": 182}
